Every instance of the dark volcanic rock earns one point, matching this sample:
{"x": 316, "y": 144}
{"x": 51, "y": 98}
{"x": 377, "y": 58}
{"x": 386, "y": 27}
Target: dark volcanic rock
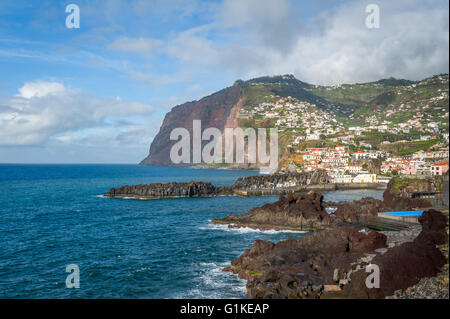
{"x": 159, "y": 190}
{"x": 299, "y": 269}
{"x": 434, "y": 224}
{"x": 399, "y": 194}
{"x": 404, "y": 265}
{"x": 243, "y": 186}
{"x": 400, "y": 268}
{"x": 318, "y": 177}
{"x": 358, "y": 210}
{"x": 300, "y": 212}
{"x": 296, "y": 211}
{"x": 331, "y": 263}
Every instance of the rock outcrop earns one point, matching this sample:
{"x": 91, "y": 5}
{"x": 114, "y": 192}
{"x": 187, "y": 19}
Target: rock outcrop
{"x": 358, "y": 210}
{"x": 400, "y": 194}
{"x": 433, "y": 224}
{"x": 406, "y": 193}
{"x": 404, "y": 265}
{"x": 168, "y": 190}
{"x": 307, "y": 212}
{"x": 301, "y": 180}
{"x": 297, "y": 211}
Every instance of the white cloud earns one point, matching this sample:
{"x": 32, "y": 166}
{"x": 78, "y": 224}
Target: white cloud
{"x": 412, "y": 43}
{"x": 192, "y": 46}
{"x": 43, "y": 110}
{"x": 41, "y": 89}
{"x": 267, "y": 23}
{"x": 136, "y": 45}
{"x": 262, "y": 37}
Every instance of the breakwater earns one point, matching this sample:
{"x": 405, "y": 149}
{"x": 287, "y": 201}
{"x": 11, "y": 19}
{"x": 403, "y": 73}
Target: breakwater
{"x": 348, "y": 186}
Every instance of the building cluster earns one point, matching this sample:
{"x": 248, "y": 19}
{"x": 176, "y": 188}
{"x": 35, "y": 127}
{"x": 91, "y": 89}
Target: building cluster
{"x": 338, "y": 164}
{"x": 366, "y": 136}
{"x": 421, "y": 163}
{"x": 336, "y": 161}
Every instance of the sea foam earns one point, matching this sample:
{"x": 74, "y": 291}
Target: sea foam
{"x": 244, "y": 230}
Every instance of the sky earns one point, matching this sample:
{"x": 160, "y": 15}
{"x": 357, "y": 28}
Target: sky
{"x": 99, "y": 93}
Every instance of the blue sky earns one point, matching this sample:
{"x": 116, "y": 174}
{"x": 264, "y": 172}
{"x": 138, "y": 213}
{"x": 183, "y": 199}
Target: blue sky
{"x": 99, "y": 93}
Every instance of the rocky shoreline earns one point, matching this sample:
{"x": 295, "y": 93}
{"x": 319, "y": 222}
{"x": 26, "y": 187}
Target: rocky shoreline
{"x": 261, "y": 185}
{"x": 427, "y": 288}
{"x": 309, "y": 212}
{"x": 332, "y": 263}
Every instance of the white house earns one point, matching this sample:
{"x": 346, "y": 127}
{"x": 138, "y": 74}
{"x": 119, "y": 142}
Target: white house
{"x": 365, "y": 178}
{"x": 340, "y": 179}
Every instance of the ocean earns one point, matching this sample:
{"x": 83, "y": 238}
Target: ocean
{"x": 55, "y": 215}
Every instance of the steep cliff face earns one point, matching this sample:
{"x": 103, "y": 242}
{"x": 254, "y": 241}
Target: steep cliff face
{"x": 214, "y": 111}
{"x": 221, "y": 110}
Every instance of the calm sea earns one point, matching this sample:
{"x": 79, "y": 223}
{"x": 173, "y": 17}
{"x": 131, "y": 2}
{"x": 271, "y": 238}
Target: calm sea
{"x": 54, "y": 215}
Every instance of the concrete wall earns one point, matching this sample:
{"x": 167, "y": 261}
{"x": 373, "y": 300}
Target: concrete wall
{"x": 360, "y": 186}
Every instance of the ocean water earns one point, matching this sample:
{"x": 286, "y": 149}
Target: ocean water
{"x": 55, "y": 215}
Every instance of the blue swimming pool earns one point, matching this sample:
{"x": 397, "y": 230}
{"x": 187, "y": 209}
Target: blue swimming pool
{"x": 409, "y": 213}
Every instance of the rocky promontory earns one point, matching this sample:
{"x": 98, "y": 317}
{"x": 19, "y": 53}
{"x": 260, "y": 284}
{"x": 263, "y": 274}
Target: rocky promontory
{"x": 295, "y": 212}
{"x": 170, "y": 190}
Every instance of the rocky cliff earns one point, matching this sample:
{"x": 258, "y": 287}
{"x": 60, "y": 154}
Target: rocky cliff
{"x": 214, "y": 111}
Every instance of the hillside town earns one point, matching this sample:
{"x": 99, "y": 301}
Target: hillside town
{"x": 408, "y": 138}
{"x": 291, "y": 114}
